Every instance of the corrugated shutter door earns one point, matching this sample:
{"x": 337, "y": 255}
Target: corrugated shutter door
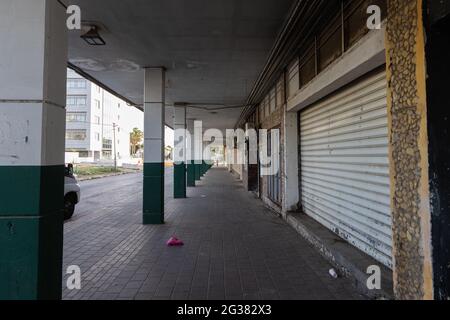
{"x": 345, "y": 168}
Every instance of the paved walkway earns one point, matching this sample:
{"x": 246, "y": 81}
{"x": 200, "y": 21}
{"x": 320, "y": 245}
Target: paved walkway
{"x": 235, "y": 248}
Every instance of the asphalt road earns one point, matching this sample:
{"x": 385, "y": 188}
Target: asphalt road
{"x": 98, "y": 193}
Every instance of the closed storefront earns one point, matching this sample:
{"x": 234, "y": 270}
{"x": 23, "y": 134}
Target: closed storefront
{"x": 344, "y": 163}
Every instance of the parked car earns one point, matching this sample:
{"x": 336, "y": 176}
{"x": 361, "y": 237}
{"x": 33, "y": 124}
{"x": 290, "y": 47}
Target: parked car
{"x": 71, "y": 192}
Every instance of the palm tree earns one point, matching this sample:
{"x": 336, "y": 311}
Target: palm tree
{"x": 136, "y": 137}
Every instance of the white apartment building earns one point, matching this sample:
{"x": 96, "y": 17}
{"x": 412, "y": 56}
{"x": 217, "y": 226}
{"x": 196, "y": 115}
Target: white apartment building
{"x": 98, "y": 124}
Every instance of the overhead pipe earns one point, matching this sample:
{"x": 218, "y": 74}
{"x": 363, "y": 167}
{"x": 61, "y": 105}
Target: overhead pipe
{"x": 292, "y": 37}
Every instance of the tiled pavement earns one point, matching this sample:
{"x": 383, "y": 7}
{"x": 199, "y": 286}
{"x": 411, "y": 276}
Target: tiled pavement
{"x": 235, "y": 248}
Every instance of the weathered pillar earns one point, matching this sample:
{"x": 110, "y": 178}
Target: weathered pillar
{"x": 408, "y": 148}
{"x": 33, "y": 37}
{"x": 191, "y": 157}
{"x": 179, "y": 182}
{"x": 154, "y": 126}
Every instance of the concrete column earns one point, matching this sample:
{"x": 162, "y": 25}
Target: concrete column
{"x": 206, "y": 157}
{"x": 191, "y": 157}
{"x": 202, "y": 165}
{"x": 179, "y": 182}
{"x": 290, "y": 174}
{"x": 198, "y": 140}
{"x": 33, "y": 55}
{"x": 408, "y": 150}
{"x": 154, "y": 122}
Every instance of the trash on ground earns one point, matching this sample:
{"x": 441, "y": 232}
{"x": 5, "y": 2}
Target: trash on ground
{"x": 174, "y": 242}
{"x": 333, "y": 273}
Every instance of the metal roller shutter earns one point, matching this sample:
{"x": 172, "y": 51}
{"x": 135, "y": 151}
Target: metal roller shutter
{"x": 345, "y": 168}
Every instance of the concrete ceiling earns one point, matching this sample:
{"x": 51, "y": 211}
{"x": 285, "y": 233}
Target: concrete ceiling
{"x": 213, "y": 49}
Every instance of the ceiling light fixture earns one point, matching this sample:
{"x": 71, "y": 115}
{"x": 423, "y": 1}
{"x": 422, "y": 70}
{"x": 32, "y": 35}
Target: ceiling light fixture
{"x": 92, "y": 37}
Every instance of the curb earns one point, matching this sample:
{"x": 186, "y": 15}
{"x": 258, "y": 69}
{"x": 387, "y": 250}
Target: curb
{"x": 348, "y": 260}
{"x": 96, "y": 177}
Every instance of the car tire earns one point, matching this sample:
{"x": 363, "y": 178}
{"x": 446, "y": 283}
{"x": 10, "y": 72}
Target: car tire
{"x": 69, "y": 206}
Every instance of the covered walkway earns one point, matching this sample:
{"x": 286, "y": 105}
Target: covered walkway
{"x": 235, "y": 248}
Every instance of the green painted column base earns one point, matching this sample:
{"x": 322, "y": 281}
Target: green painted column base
{"x": 153, "y": 194}
{"x": 149, "y": 219}
{"x": 198, "y": 174}
{"x": 191, "y": 174}
{"x": 179, "y": 181}
{"x": 31, "y": 232}
{"x": 31, "y": 257}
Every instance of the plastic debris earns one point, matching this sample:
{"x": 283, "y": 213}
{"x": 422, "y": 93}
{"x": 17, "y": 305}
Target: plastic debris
{"x": 174, "y": 242}
{"x": 333, "y": 273}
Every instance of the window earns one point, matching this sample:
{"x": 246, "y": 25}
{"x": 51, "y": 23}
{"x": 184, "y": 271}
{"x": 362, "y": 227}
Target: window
{"x": 76, "y": 101}
{"x": 76, "y": 83}
{"x": 96, "y": 120}
{"x": 107, "y": 144}
{"x": 76, "y": 117}
{"x": 355, "y": 19}
{"x": 83, "y": 154}
{"x": 307, "y": 70}
{"x": 329, "y": 44}
{"x": 97, "y": 104}
{"x": 97, "y": 136}
{"x": 107, "y": 154}
{"x": 76, "y": 135}
{"x": 118, "y": 117}
{"x": 346, "y": 26}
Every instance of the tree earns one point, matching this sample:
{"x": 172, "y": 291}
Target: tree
{"x": 136, "y": 137}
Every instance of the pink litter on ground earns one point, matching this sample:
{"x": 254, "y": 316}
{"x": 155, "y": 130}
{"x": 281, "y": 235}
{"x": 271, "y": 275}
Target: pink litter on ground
{"x": 174, "y": 242}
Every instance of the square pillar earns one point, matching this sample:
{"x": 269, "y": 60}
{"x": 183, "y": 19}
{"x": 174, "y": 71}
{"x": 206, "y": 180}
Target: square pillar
{"x": 198, "y": 155}
{"x": 33, "y": 36}
{"x": 206, "y": 157}
{"x": 179, "y": 182}
{"x": 191, "y": 153}
{"x": 291, "y": 194}
{"x": 203, "y": 167}
{"x": 154, "y": 127}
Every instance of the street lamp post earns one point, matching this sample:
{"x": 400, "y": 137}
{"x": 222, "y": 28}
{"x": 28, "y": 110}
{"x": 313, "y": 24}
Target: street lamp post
{"x": 115, "y": 151}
